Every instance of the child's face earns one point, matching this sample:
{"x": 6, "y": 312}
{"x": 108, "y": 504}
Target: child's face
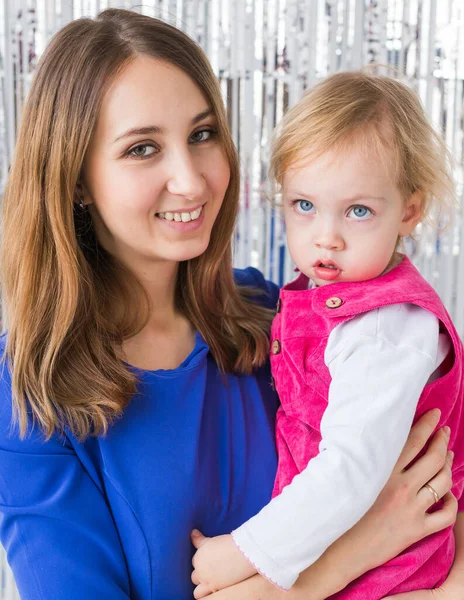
{"x": 343, "y": 214}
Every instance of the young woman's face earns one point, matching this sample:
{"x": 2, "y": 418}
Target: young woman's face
{"x": 343, "y": 215}
{"x": 155, "y": 174}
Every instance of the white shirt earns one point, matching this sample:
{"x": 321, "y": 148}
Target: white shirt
{"x": 379, "y": 363}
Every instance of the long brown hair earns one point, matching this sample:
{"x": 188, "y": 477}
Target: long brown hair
{"x": 58, "y": 283}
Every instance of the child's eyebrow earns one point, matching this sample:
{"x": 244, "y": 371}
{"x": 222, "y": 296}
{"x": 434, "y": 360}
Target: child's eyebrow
{"x": 355, "y": 198}
{"x": 359, "y": 197}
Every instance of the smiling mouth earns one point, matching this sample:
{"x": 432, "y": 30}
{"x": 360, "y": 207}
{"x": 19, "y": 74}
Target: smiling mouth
{"x": 183, "y": 216}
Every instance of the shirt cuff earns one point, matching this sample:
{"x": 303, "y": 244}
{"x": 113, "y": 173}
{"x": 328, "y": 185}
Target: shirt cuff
{"x": 262, "y": 562}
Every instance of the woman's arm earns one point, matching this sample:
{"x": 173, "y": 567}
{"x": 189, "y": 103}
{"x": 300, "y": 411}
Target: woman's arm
{"x": 456, "y": 577}
{"x": 55, "y": 523}
{"x": 453, "y": 588}
{"x": 398, "y": 519}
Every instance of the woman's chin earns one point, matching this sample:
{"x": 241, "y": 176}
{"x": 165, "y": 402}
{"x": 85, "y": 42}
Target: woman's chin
{"x": 188, "y": 251}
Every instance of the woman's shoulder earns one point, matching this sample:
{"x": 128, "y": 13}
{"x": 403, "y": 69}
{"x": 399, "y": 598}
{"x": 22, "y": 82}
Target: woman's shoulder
{"x": 267, "y": 291}
{"x": 10, "y": 439}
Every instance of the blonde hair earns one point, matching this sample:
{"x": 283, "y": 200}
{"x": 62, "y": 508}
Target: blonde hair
{"x": 383, "y": 115}
{"x": 58, "y": 284}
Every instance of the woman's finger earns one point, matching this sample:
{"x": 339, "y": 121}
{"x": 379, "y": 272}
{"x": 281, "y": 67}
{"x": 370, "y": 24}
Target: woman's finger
{"x": 418, "y": 437}
{"x": 445, "y": 517}
{"x": 441, "y": 484}
{"x": 431, "y": 463}
{"x": 201, "y": 591}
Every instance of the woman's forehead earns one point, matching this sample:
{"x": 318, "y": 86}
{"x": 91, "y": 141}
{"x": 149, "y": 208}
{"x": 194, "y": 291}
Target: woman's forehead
{"x": 149, "y": 93}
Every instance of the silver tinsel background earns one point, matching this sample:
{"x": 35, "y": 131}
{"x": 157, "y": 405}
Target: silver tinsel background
{"x": 265, "y": 54}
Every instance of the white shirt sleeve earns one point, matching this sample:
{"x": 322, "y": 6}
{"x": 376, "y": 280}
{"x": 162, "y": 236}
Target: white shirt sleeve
{"x": 379, "y": 363}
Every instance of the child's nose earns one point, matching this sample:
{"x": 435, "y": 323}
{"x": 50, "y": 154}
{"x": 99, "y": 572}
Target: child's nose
{"x": 329, "y": 239}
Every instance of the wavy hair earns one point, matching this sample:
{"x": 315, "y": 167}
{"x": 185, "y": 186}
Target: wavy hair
{"x": 58, "y": 283}
{"x": 384, "y": 116}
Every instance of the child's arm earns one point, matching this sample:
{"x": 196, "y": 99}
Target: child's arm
{"x": 397, "y": 519}
{"x": 372, "y": 401}
{"x": 453, "y": 588}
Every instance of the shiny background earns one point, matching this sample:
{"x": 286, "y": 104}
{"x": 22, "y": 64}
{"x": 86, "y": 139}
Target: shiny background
{"x": 266, "y": 53}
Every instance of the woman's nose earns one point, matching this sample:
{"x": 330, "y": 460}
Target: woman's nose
{"x": 185, "y": 177}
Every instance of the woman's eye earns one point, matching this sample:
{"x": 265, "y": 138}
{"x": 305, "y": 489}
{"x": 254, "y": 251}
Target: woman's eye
{"x": 203, "y": 135}
{"x": 142, "y": 151}
{"x": 303, "y": 206}
{"x": 360, "y": 212}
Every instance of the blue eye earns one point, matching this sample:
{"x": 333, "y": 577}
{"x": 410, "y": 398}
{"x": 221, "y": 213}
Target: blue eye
{"x": 303, "y": 206}
{"x": 360, "y": 213}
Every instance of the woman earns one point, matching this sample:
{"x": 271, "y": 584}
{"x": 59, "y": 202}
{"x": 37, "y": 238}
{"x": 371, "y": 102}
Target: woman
{"x": 149, "y": 410}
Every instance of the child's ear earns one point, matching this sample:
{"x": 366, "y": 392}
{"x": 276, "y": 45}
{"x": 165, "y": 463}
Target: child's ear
{"x": 413, "y": 213}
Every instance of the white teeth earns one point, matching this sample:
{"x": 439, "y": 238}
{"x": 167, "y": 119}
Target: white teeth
{"x": 183, "y": 217}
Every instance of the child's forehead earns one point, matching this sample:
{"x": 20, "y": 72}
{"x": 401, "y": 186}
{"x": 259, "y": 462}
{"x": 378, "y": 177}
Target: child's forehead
{"x": 364, "y": 154}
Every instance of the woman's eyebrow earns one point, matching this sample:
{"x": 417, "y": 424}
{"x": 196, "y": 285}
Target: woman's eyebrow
{"x": 138, "y": 131}
{"x": 200, "y": 116}
{"x": 151, "y": 129}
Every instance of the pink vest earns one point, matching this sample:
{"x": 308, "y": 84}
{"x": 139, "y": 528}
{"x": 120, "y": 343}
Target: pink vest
{"x": 300, "y": 331}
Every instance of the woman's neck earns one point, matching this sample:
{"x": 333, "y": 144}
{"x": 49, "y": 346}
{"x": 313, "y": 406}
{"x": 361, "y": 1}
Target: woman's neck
{"x": 167, "y": 337}
{"x": 160, "y": 285}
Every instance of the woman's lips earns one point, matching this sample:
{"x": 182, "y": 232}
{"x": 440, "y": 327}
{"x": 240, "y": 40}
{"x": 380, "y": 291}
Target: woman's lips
{"x": 184, "y": 226}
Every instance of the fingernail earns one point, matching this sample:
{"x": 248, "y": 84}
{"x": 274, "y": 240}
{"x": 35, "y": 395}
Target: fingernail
{"x": 447, "y": 431}
{"x": 195, "y": 533}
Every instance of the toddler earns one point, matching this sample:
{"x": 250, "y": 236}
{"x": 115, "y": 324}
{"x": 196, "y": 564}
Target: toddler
{"x": 361, "y": 345}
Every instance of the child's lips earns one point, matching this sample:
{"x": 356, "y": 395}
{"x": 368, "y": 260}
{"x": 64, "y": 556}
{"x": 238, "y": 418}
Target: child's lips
{"x": 327, "y": 270}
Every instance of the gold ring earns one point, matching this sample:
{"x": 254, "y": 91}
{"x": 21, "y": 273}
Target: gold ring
{"x": 433, "y": 492}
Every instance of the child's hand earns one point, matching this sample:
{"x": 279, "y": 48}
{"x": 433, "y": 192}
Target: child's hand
{"x": 217, "y": 563}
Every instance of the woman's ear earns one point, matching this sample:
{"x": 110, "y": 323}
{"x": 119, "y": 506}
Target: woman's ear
{"x": 83, "y": 198}
{"x": 413, "y": 213}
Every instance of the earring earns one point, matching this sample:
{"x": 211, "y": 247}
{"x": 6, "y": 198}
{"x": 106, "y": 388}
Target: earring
{"x": 81, "y": 204}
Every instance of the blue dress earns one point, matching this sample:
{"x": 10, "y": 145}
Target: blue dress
{"x": 110, "y": 518}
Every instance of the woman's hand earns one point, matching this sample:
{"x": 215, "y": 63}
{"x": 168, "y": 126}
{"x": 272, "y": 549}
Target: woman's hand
{"x": 445, "y": 592}
{"x": 398, "y": 519}
{"x": 453, "y": 587}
